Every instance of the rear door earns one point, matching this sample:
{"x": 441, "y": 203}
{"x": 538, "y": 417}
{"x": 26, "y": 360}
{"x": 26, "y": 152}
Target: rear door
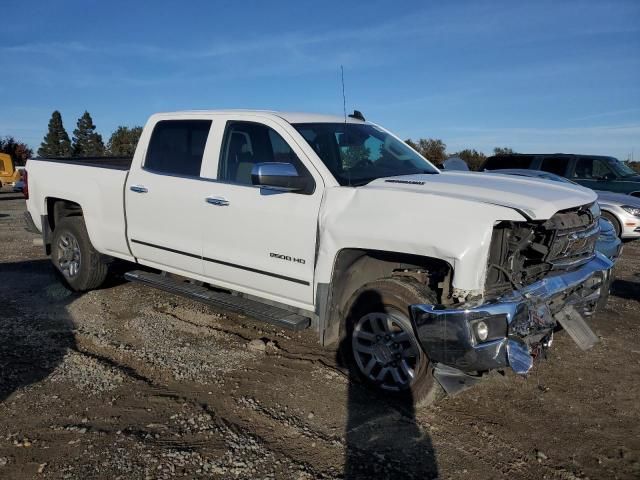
{"x": 164, "y": 199}
{"x": 257, "y": 240}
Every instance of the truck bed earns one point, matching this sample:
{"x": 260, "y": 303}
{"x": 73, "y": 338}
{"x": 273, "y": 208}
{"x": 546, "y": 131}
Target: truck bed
{"x": 94, "y": 184}
{"x": 115, "y": 163}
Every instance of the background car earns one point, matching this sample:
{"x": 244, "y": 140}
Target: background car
{"x": 623, "y": 211}
{"x": 592, "y": 171}
{"x": 18, "y": 186}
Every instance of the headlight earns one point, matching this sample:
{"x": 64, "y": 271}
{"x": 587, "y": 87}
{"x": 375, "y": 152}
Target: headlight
{"x": 595, "y": 210}
{"x": 482, "y": 330}
{"x": 632, "y": 210}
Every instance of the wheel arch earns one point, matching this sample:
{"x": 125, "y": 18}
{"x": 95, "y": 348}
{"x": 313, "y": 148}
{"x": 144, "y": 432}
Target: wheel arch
{"x": 611, "y": 215}
{"x": 355, "y": 267}
{"x": 56, "y": 209}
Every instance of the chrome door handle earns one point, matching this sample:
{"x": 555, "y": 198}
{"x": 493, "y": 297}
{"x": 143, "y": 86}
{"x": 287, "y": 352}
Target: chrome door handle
{"x": 219, "y": 201}
{"x": 138, "y": 189}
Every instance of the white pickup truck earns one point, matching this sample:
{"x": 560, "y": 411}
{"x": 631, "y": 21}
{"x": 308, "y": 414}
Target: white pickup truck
{"x": 335, "y": 224}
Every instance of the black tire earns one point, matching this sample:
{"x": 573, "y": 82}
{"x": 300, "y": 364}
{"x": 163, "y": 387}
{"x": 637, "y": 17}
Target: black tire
{"x": 614, "y": 221}
{"x": 89, "y": 269}
{"x": 384, "y": 298}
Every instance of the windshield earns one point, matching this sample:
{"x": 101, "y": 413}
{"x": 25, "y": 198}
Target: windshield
{"x": 621, "y": 168}
{"x": 358, "y": 153}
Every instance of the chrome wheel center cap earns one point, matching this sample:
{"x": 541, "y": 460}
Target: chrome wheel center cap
{"x": 382, "y": 353}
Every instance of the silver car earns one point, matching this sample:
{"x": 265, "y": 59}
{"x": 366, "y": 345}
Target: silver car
{"x": 623, "y": 211}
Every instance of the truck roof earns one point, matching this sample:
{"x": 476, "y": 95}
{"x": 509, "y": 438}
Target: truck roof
{"x": 291, "y": 117}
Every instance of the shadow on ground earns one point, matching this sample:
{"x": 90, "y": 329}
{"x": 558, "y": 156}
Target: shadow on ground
{"x": 10, "y": 196}
{"x": 626, "y": 289}
{"x": 33, "y": 339}
{"x": 383, "y": 439}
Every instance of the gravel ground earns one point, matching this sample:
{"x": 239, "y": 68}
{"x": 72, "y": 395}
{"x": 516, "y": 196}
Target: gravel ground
{"x": 130, "y": 382}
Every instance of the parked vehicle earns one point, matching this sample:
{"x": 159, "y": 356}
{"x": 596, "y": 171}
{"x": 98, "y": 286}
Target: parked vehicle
{"x": 623, "y": 211}
{"x": 8, "y": 173}
{"x": 591, "y": 171}
{"x": 308, "y": 220}
{"x": 18, "y": 186}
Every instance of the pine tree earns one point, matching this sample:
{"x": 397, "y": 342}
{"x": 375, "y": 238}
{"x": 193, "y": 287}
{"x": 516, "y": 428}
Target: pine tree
{"x": 123, "y": 141}
{"x": 56, "y": 142}
{"x": 86, "y": 141}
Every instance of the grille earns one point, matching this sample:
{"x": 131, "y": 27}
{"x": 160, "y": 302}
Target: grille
{"x": 574, "y": 245}
{"x": 523, "y": 252}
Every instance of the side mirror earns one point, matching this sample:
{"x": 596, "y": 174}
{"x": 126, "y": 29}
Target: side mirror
{"x": 280, "y": 176}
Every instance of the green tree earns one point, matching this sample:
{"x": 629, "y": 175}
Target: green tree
{"x": 123, "y": 141}
{"x": 56, "y": 142}
{"x": 502, "y": 151}
{"x": 19, "y": 151}
{"x": 473, "y": 158}
{"x": 432, "y": 149}
{"x": 634, "y": 165}
{"x": 354, "y": 154}
{"x": 86, "y": 141}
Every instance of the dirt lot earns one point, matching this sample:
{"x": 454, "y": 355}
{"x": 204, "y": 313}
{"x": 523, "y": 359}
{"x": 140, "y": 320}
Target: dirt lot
{"x": 130, "y": 382}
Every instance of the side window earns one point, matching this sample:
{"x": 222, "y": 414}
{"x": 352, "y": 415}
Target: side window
{"x": 557, "y": 165}
{"x": 508, "y": 161}
{"x": 177, "y": 146}
{"x": 591, "y": 168}
{"x": 247, "y": 143}
{"x": 601, "y": 170}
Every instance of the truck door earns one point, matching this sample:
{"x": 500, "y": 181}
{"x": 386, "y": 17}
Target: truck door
{"x": 257, "y": 240}
{"x": 594, "y": 173}
{"x": 164, "y": 199}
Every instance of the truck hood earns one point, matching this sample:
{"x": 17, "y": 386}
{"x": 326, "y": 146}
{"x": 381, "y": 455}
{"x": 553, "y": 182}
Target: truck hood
{"x": 536, "y": 198}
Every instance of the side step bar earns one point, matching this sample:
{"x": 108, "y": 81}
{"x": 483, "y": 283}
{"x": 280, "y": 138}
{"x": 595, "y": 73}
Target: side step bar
{"x": 267, "y": 313}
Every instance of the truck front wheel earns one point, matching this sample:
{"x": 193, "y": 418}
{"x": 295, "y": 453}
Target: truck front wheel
{"x": 380, "y": 343}
{"x": 82, "y": 267}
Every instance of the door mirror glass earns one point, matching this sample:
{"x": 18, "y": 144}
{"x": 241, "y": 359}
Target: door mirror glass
{"x": 280, "y": 176}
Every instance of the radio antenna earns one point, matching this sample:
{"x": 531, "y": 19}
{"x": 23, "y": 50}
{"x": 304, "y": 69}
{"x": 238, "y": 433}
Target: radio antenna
{"x": 344, "y": 97}
{"x": 344, "y": 133}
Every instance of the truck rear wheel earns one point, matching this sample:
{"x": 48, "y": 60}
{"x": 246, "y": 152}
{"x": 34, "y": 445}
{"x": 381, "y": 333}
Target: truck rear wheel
{"x": 380, "y": 344}
{"x": 82, "y": 267}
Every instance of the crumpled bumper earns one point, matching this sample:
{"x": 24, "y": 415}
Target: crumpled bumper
{"x": 519, "y": 323}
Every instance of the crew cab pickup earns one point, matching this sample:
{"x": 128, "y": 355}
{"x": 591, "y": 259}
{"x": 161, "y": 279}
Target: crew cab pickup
{"x": 424, "y": 279}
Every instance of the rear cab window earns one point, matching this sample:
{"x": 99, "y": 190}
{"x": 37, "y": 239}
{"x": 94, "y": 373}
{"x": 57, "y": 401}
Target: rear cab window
{"x": 508, "y": 161}
{"x": 176, "y": 147}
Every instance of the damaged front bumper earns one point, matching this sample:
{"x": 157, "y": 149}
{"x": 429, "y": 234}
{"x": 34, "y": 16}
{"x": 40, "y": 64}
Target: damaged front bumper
{"x": 509, "y": 331}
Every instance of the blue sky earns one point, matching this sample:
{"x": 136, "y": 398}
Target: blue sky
{"x": 539, "y": 76}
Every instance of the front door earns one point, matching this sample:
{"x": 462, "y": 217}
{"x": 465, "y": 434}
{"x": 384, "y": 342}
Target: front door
{"x": 594, "y": 173}
{"x": 257, "y": 240}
